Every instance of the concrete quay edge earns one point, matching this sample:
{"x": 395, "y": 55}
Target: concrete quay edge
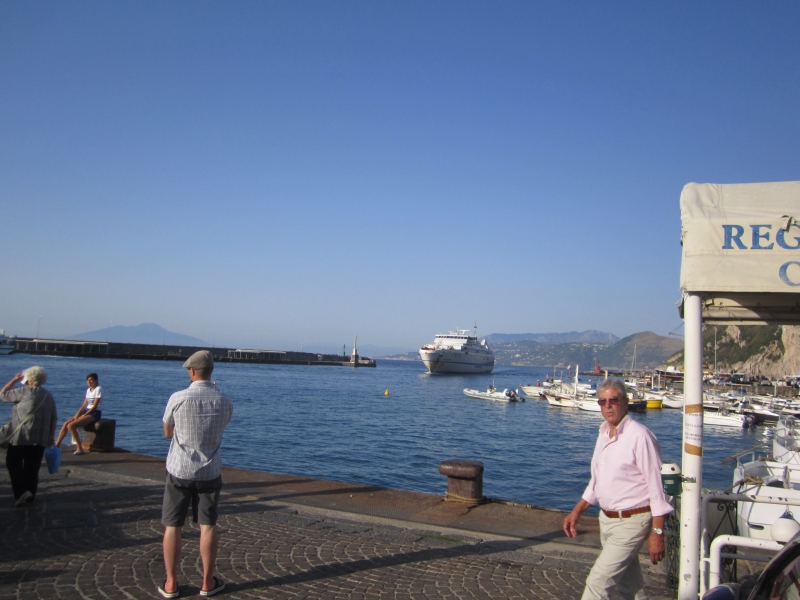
{"x": 501, "y": 521}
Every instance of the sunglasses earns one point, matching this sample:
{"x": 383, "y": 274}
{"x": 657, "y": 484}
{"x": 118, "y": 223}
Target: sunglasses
{"x": 611, "y": 401}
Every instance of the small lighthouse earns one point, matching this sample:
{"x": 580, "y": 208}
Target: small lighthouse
{"x": 354, "y": 357}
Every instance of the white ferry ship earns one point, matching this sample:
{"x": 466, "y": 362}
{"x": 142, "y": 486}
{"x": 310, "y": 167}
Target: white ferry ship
{"x": 457, "y": 352}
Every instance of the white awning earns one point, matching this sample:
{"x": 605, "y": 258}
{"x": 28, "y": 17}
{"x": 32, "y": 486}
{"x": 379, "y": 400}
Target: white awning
{"x": 741, "y": 251}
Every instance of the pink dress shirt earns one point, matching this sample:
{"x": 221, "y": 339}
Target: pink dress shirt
{"x": 626, "y": 470}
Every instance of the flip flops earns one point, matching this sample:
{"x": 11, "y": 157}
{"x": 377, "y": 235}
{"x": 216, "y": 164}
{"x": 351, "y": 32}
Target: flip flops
{"x": 219, "y": 585}
{"x": 167, "y": 594}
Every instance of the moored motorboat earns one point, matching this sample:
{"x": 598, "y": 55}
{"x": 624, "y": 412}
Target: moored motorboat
{"x": 534, "y": 391}
{"x": 589, "y": 405}
{"x": 673, "y": 401}
{"x": 493, "y": 394}
{"x": 726, "y": 418}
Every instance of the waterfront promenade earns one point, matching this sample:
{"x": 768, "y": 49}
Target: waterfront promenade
{"x": 94, "y": 532}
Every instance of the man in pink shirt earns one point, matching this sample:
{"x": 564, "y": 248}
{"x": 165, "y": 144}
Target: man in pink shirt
{"x": 626, "y": 482}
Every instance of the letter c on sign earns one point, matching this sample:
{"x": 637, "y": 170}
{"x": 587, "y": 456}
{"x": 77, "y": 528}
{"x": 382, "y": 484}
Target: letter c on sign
{"x": 782, "y": 272}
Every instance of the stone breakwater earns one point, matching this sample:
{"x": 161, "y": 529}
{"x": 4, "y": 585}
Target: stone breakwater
{"x": 94, "y": 532}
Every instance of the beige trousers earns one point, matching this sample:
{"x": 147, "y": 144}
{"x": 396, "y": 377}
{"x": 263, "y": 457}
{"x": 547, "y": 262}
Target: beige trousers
{"x": 618, "y": 563}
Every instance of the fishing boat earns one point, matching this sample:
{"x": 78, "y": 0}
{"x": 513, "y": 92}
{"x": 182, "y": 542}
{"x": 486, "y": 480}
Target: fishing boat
{"x": 457, "y": 352}
{"x": 7, "y": 343}
{"x": 493, "y": 394}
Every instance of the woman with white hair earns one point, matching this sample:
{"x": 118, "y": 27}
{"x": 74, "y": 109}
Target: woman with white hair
{"x": 31, "y": 430}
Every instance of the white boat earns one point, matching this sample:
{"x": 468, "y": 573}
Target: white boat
{"x": 534, "y": 391}
{"x": 562, "y": 401}
{"x": 725, "y": 418}
{"x": 493, "y": 394}
{"x": 765, "y": 478}
{"x": 7, "y": 343}
{"x": 457, "y": 352}
{"x": 589, "y": 405}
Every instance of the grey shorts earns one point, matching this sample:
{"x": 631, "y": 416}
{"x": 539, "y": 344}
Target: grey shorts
{"x": 179, "y": 494}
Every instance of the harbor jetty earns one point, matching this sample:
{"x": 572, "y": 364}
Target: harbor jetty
{"x": 94, "y": 531}
{"x": 92, "y": 349}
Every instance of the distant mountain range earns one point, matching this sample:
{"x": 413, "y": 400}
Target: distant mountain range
{"x": 589, "y": 337}
{"x": 146, "y": 333}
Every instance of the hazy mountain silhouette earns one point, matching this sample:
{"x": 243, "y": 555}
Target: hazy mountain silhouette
{"x": 146, "y": 333}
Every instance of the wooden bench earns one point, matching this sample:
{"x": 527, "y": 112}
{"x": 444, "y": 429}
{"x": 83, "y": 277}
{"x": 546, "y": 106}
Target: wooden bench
{"x": 464, "y": 481}
{"x": 100, "y": 435}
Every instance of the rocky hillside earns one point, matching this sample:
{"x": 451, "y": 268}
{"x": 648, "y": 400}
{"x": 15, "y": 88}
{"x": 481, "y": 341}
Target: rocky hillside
{"x": 772, "y": 350}
{"x": 651, "y": 351}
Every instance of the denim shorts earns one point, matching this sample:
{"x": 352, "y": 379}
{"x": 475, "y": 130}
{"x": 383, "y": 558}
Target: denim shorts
{"x": 179, "y": 494}
{"x": 96, "y": 415}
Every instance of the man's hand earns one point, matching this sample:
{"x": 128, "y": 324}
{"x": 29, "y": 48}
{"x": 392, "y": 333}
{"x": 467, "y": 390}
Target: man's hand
{"x": 571, "y": 524}
{"x": 571, "y": 520}
{"x": 656, "y": 546}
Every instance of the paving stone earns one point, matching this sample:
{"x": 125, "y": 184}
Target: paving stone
{"x": 98, "y": 535}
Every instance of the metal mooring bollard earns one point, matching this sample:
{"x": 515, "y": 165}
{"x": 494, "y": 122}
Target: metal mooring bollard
{"x": 464, "y": 481}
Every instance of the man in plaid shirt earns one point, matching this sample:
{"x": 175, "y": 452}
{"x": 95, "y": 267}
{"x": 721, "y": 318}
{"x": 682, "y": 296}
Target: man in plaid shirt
{"x": 194, "y": 420}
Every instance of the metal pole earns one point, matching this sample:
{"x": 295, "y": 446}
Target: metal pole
{"x": 688, "y": 582}
{"x": 107, "y": 326}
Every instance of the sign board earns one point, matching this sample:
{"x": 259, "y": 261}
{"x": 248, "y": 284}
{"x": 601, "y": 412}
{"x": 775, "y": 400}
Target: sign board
{"x": 741, "y": 251}
{"x": 741, "y": 237}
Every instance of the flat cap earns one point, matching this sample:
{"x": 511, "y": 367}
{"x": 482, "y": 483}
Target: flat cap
{"x": 202, "y": 359}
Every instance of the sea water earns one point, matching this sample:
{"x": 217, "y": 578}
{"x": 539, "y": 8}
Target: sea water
{"x": 337, "y": 423}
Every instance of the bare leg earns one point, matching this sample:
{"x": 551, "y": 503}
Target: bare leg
{"x": 209, "y": 542}
{"x": 62, "y": 434}
{"x": 172, "y": 557}
{"x": 76, "y": 426}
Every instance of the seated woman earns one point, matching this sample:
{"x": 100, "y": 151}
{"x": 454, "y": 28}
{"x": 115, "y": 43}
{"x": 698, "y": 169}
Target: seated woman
{"x": 89, "y": 412}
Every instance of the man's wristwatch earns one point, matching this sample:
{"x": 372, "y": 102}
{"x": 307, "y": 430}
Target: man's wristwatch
{"x": 658, "y": 531}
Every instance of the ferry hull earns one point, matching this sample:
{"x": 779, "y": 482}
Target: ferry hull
{"x": 453, "y": 361}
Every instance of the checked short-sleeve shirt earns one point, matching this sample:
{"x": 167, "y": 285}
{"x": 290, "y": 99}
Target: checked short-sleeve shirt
{"x": 199, "y": 414}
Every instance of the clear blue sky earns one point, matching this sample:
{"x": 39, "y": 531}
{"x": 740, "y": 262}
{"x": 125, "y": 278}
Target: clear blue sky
{"x": 313, "y": 170}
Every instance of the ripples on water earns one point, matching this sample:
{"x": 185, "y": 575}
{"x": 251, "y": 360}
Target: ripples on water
{"x": 336, "y": 423}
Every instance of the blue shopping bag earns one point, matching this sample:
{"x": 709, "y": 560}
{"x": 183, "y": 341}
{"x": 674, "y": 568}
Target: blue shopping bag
{"x": 53, "y": 457}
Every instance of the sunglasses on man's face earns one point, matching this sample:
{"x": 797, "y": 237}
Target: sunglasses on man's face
{"x": 612, "y": 401}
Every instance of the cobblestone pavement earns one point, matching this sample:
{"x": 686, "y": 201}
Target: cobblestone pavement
{"x": 95, "y": 535}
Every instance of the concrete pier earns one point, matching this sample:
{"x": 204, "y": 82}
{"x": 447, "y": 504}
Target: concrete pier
{"x": 94, "y": 532}
{"x": 171, "y": 352}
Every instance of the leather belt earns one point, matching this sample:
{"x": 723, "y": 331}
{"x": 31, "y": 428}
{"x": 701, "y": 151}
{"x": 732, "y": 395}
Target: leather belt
{"x": 624, "y": 514}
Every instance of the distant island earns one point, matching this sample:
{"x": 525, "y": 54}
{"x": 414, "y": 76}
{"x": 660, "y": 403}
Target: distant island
{"x": 145, "y": 333}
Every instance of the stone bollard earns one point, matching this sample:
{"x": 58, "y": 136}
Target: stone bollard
{"x": 464, "y": 481}
{"x": 100, "y": 435}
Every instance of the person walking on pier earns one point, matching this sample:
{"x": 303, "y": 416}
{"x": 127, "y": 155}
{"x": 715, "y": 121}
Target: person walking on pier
{"x": 194, "y": 420}
{"x": 31, "y": 430}
{"x": 626, "y": 482}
